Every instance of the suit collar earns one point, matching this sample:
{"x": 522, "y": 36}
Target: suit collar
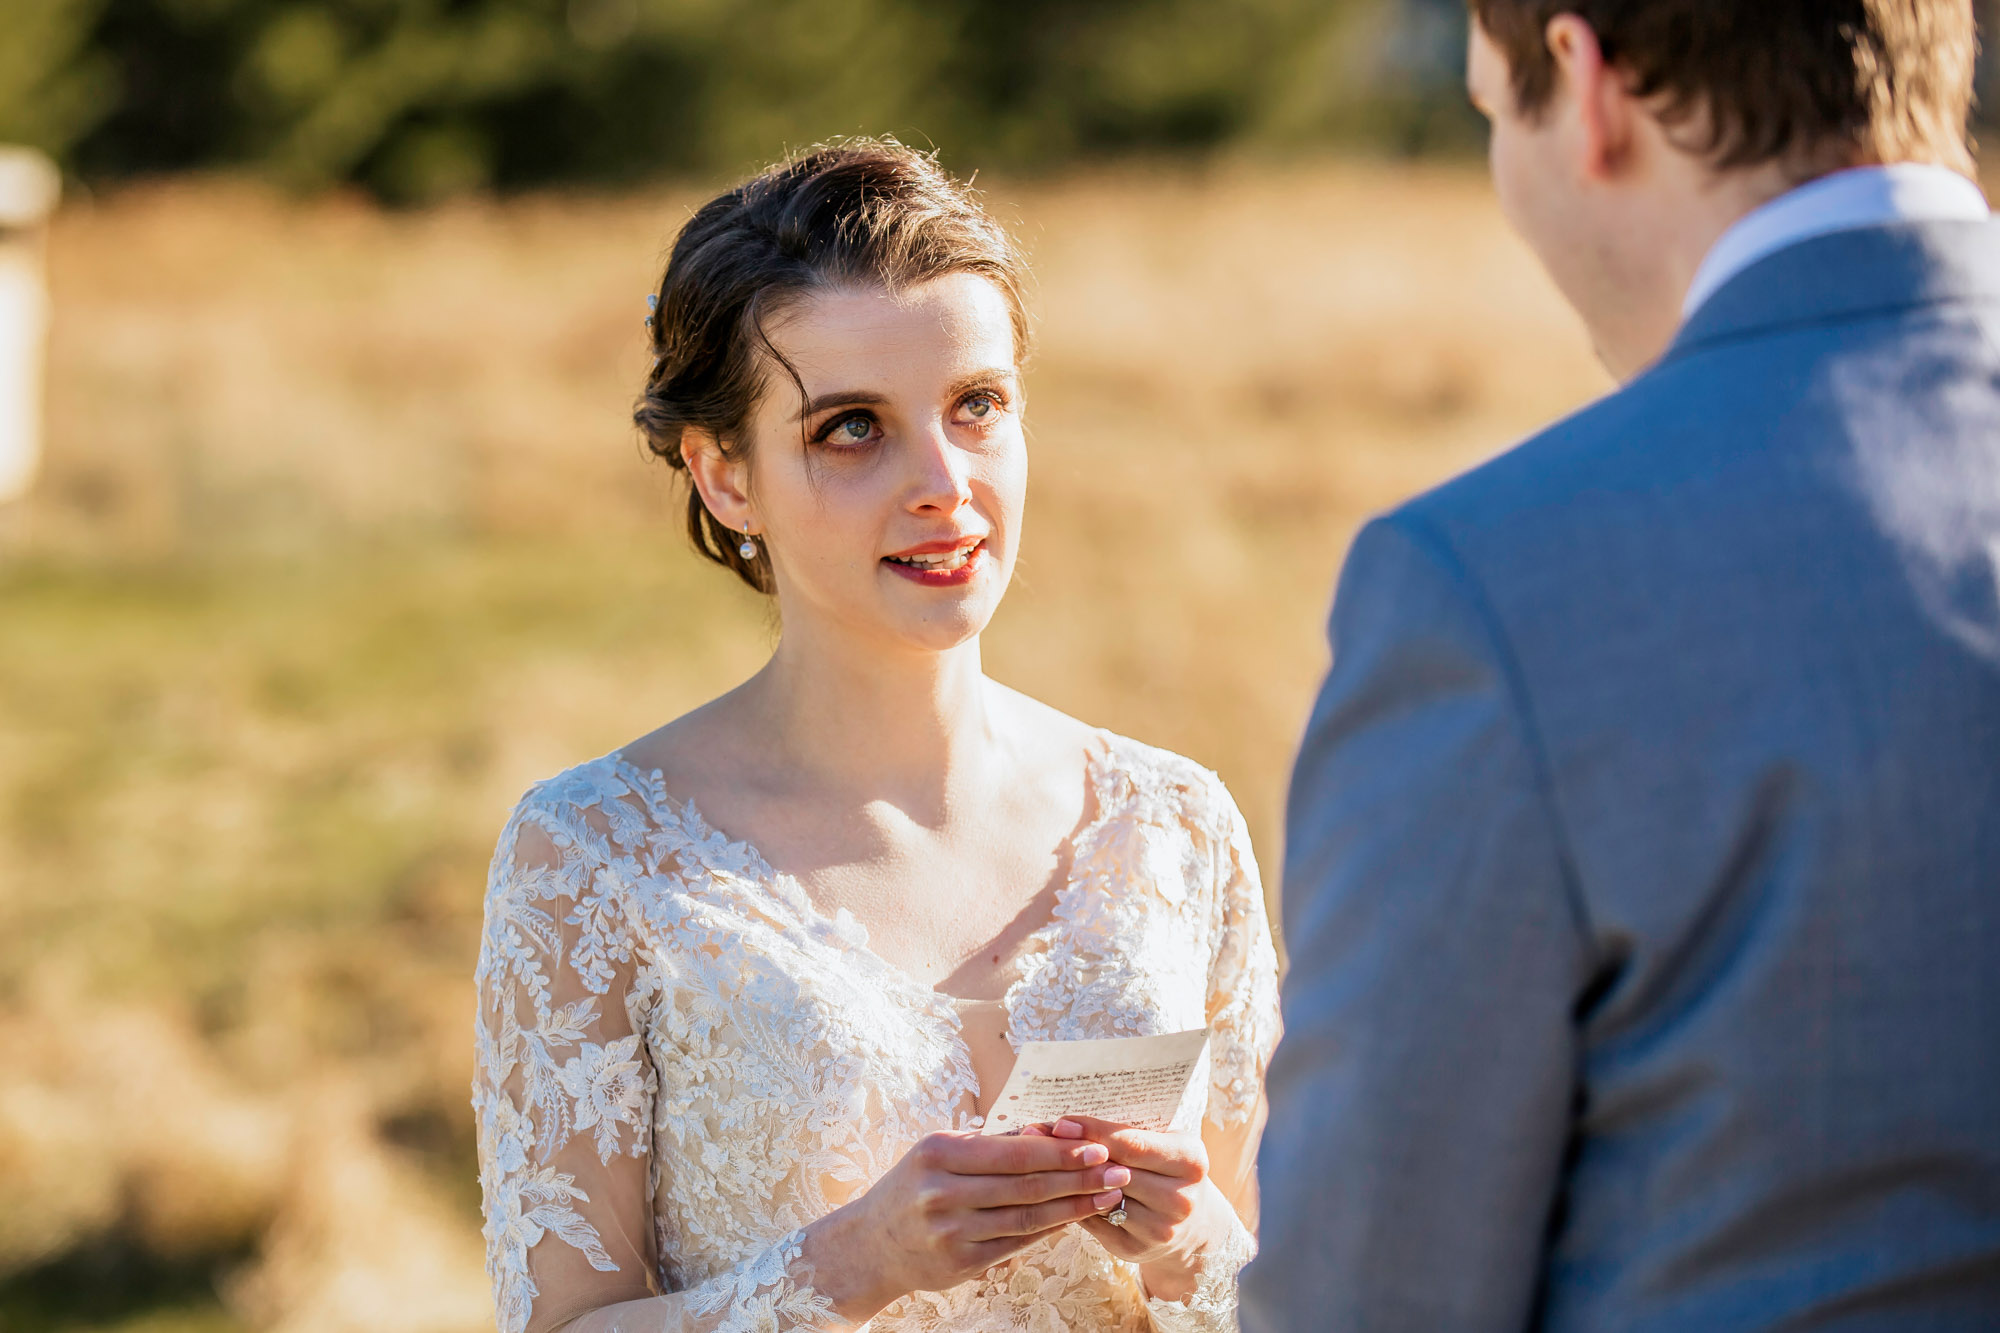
{"x": 1850, "y": 275}
{"x": 1843, "y": 201}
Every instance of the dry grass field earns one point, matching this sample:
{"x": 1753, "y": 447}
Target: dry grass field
{"x": 344, "y": 539}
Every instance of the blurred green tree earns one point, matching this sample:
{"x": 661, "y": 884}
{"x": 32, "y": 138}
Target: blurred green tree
{"x": 420, "y": 98}
{"x": 416, "y": 98}
{"x": 55, "y": 84}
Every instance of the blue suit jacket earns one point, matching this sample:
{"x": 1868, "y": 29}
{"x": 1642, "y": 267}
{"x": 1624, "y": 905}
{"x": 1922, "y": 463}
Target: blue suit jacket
{"x": 1643, "y": 880}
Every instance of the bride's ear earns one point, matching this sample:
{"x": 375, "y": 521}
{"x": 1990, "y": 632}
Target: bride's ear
{"x": 721, "y": 481}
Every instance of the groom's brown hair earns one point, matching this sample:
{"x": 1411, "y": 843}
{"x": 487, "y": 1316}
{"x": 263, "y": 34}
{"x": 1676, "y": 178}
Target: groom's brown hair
{"x": 1811, "y": 84}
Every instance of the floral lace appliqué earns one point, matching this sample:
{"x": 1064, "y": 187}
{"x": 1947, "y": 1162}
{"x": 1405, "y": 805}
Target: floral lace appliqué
{"x": 681, "y": 1063}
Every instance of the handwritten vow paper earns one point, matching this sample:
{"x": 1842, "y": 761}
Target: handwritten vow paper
{"x": 1146, "y": 1082}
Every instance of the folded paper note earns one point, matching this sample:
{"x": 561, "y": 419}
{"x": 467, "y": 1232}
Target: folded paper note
{"x": 1146, "y": 1082}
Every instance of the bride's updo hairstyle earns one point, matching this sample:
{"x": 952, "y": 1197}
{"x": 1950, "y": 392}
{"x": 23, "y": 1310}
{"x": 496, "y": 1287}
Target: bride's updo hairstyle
{"x": 856, "y": 213}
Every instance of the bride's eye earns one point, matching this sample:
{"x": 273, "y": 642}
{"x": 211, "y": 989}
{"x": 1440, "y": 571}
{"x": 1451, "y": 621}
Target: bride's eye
{"x": 982, "y": 407}
{"x": 847, "y": 432}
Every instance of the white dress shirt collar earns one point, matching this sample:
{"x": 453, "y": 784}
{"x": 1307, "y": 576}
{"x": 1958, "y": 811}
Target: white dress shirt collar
{"x": 1844, "y": 201}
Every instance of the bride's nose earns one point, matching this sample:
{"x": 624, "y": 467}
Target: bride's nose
{"x": 940, "y": 472}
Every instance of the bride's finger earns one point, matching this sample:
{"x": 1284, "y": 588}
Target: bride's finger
{"x": 990, "y": 1252}
{"x": 1168, "y": 1154}
{"x": 1033, "y": 1218}
{"x": 1009, "y": 1154}
{"x": 1001, "y": 1191}
{"x": 1113, "y": 1239}
{"x": 1166, "y": 1196}
{"x": 1142, "y": 1230}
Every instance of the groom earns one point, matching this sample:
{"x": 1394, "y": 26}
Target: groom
{"x": 1643, "y": 882}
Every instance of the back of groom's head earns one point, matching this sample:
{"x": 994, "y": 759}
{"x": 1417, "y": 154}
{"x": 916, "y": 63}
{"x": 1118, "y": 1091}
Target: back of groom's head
{"x": 1630, "y": 135}
{"x": 1810, "y": 84}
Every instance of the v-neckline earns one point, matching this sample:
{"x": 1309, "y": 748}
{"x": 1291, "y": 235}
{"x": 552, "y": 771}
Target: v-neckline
{"x": 850, "y": 932}
{"x": 852, "y": 935}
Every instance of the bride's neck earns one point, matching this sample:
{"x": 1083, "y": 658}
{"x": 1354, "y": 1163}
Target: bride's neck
{"x": 908, "y": 728}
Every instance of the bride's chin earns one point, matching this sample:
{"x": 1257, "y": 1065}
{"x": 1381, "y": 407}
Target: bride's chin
{"x": 944, "y": 628}
{"x": 945, "y": 637}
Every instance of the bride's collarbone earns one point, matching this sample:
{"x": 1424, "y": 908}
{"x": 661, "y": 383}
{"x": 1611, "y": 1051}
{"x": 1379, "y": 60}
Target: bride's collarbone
{"x": 958, "y": 925}
{"x": 982, "y": 858}
{"x": 951, "y": 898}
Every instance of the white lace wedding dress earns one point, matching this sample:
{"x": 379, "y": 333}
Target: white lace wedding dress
{"x": 682, "y": 1062}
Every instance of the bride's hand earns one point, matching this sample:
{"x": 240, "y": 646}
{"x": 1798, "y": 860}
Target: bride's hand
{"x": 955, "y": 1205}
{"x": 1173, "y": 1212}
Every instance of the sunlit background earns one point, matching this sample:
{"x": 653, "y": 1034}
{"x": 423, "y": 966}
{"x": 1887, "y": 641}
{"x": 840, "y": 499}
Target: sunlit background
{"x": 341, "y": 536}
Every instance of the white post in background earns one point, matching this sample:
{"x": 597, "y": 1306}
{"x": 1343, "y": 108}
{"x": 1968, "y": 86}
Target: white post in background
{"x": 29, "y": 185}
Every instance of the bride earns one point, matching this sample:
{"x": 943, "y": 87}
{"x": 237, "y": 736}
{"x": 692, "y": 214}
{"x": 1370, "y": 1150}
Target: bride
{"x": 748, "y": 984}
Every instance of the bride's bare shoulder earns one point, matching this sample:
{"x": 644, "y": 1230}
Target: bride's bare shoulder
{"x": 1058, "y": 731}
{"x": 1196, "y": 789}
{"x": 688, "y": 752}
{"x": 1047, "y": 729}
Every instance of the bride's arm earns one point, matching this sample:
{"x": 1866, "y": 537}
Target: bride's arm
{"x": 1243, "y": 1027}
{"x": 1242, "y": 1014}
{"x": 564, "y": 1094}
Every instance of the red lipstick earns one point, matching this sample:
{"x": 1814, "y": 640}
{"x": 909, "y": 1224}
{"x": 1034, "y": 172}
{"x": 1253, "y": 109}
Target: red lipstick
{"x": 940, "y": 574}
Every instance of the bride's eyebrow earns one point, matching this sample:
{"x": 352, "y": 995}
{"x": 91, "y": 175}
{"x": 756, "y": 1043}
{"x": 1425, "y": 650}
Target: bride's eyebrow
{"x": 869, "y": 398}
{"x": 842, "y": 398}
{"x": 978, "y": 379}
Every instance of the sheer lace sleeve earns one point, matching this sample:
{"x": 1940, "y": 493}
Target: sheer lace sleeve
{"x": 1242, "y": 980}
{"x": 1243, "y": 1031}
{"x": 564, "y": 1090}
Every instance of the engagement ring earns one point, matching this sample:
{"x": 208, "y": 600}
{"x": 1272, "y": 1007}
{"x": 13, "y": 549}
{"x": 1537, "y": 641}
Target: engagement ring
{"x": 1116, "y": 1217}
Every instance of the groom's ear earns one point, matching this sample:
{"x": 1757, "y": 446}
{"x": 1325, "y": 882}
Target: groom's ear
{"x": 722, "y": 483}
{"x": 1592, "y": 94}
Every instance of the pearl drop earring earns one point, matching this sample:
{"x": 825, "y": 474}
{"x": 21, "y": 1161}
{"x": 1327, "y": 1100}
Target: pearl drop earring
{"x": 748, "y": 550}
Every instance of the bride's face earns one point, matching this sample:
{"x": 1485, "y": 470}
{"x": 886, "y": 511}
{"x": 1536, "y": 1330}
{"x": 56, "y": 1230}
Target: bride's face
{"x": 889, "y": 495}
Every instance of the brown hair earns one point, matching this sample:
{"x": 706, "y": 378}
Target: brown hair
{"x": 854, "y": 212}
{"x": 1804, "y": 83}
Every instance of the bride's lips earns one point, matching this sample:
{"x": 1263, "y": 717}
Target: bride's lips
{"x": 941, "y": 564}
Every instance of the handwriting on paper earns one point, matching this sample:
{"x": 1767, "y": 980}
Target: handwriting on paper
{"x": 1146, "y": 1082}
